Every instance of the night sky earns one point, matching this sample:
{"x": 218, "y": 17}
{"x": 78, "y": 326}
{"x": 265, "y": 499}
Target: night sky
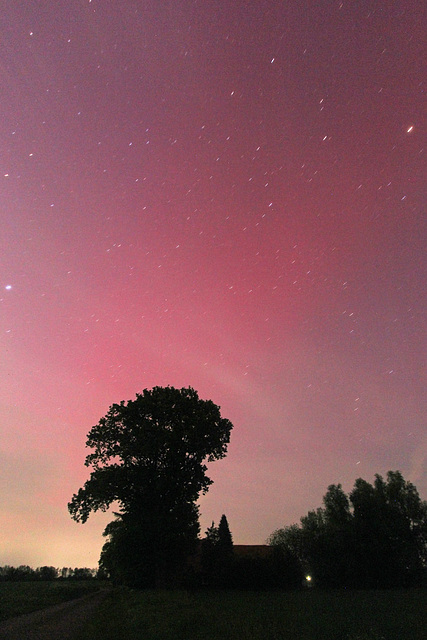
{"x": 228, "y": 195}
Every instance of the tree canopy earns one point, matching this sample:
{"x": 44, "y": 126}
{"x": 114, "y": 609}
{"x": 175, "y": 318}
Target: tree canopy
{"x": 375, "y": 537}
{"x": 149, "y": 455}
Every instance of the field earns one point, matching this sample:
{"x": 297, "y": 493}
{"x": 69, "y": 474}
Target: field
{"x": 17, "y": 598}
{"x": 303, "y": 615}
{"x": 232, "y": 615}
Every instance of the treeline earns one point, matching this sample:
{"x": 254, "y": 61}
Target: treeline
{"x": 28, "y": 574}
{"x": 375, "y": 537}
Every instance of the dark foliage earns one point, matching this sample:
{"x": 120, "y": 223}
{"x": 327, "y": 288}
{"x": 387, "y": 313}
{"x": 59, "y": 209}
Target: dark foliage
{"x": 79, "y": 573}
{"x": 225, "y": 539}
{"x": 24, "y": 573}
{"x": 278, "y": 570}
{"x": 375, "y": 537}
{"x": 245, "y": 567}
{"x": 46, "y": 573}
{"x": 217, "y": 554}
{"x": 148, "y": 455}
{"x": 209, "y": 555}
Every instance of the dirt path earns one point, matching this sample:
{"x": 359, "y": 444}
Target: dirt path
{"x": 60, "y": 622}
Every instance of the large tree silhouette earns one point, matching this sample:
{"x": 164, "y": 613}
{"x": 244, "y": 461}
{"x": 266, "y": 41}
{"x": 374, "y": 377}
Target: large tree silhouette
{"x": 149, "y": 455}
{"x": 375, "y": 537}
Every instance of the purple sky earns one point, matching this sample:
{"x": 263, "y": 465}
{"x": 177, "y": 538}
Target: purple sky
{"x": 226, "y": 195}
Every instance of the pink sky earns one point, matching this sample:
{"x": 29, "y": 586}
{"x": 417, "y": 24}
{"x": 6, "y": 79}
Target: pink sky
{"x": 229, "y": 196}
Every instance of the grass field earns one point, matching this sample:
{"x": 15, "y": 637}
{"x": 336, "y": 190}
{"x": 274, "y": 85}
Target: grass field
{"x": 302, "y": 615}
{"x": 17, "y": 598}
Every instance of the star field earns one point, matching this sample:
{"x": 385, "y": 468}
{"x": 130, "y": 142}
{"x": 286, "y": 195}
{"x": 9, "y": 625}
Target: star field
{"x": 224, "y": 195}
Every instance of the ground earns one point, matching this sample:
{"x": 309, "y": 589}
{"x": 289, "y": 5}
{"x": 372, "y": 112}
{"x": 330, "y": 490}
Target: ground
{"x": 60, "y": 622}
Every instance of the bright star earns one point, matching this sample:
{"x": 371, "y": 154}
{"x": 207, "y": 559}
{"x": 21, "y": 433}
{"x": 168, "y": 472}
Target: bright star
{"x": 8, "y": 287}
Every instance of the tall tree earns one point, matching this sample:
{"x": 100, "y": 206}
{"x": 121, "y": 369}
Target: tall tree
{"x": 225, "y": 540}
{"x": 390, "y": 523}
{"x": 149, "y": 455}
